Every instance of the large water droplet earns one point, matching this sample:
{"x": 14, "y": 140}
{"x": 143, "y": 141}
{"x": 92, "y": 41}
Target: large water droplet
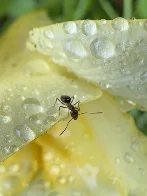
{"x": 120, "y": 24}
{"x": 89, "y": 27}
{"x": 70, "y": 27}
{"x": 75, "y": 49}
{"x": 24, "y": 132}
{"x": 129, "y": 158}
{"x": 102, "y": 47}
{"x": 32, "y": 106}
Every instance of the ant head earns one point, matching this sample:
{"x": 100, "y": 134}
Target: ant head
{"x": 65, "y": 99}
{"x": 74, "y": 114}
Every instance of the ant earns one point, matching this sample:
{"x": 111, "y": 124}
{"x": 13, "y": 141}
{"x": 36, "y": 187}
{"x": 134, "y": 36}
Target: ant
{"x": 74, "y": 111}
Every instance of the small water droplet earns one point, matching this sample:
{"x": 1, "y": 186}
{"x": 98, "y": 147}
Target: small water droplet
{"x": 145, "y": 25}
{"x": 54, "y": 170}
{"x": 24, "y": 132}
{"x": 141, "y": 171}
{"x": 49, "y": 121}
{"x": 61, "y": 180}
{"x": 70, "y": 27}
{"x": 129, "y": 158}
{"x": 143, "y": 76}
{"x": 134, "y": 146}
{"x": 48, "y": 156}
{"x": 102, "y": 47}
{"x": 4, "y": 119}
{"x": 14, "y": 168}
{"x": 103, "y": 21}
{"x": 32, "y": 106}
{"x": 89, "y": 27}
{"x": 48, "y": 33}
{"x": 75, "y": 49}
{"x": 117, "y": 160}
{"x": 13, "y": 148}
{"x": 70, "y": 178}
{"x": 9, "y": 182}
{"x": 120, "y": 24}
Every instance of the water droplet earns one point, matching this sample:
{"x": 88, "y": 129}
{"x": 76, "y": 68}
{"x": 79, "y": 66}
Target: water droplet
{"x": 75, "y": 49}
{"x": 8, "y": 139}
{"x": 70, "y": 178}
{"x": 48, "y": 156}
{"x": 129, "y": 158}
{"x": 117, "y": 160}
{"x": 24, "y": 132}
{"x": 45, "y": 44}
{"x": 36, "y": 119}
{"x": 143, "y": 75}
{"x": 4, "y": 119}
{"x": 14, "y": 168}
{"x": 49, "y": 121}
{"x": 120, "y": 24}
{"x": 141, "y": 171}
{"x": 70, "y": 27}
{"x": 9, "y": 182}
{"x": 54, "y": 170}
{"x": 89, "y": 27}
{"x": 13, "y": 148}
{"x": 102, "y": 47}
{"x": 32, "y": 106}
{"x": 48, "y": 33}
{"x": 134, "y": 146}
{"x": 145, "y": 25}
{"x": 103, "y": 21}
{"x": 62, "y": 180}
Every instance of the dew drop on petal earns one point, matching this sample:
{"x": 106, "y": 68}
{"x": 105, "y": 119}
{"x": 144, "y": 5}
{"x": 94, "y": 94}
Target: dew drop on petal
{"x": 120, "y": 24}
{"x": 102, "y": 47}
{"x": 89, "y": 27}
{"x": 70, "y": 27}
{"x": 24, "y": 132}
{"x": 75, "y": 49}
{"x": 4, "y": 119}
{"x": 32, "y": 106}
{"x": 129, "y": 158}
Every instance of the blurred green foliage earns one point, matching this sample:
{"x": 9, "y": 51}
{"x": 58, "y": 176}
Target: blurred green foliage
{"x": 63, "y": 10}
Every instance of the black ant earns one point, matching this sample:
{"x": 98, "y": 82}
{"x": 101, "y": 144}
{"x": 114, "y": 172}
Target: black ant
{"x": 74, "y": 111}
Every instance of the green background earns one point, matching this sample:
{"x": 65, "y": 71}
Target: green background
{"x": 64, "y": 10}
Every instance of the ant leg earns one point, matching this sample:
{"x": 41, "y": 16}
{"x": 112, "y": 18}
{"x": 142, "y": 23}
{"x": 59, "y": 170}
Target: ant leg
{"x": 66, "y": 126}
{"x": 60, "y": 108}
{"x": 72, "y": 98}
{"x": 57, "y": 99}
{"x": 67, "y": 116}
{"x": 78, "y": 102}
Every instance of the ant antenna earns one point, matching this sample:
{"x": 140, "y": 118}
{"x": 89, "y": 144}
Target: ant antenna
{"x": 66, "y": 126}
{"x": 79, "y": 114}
{"x": 90, "y": 113}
